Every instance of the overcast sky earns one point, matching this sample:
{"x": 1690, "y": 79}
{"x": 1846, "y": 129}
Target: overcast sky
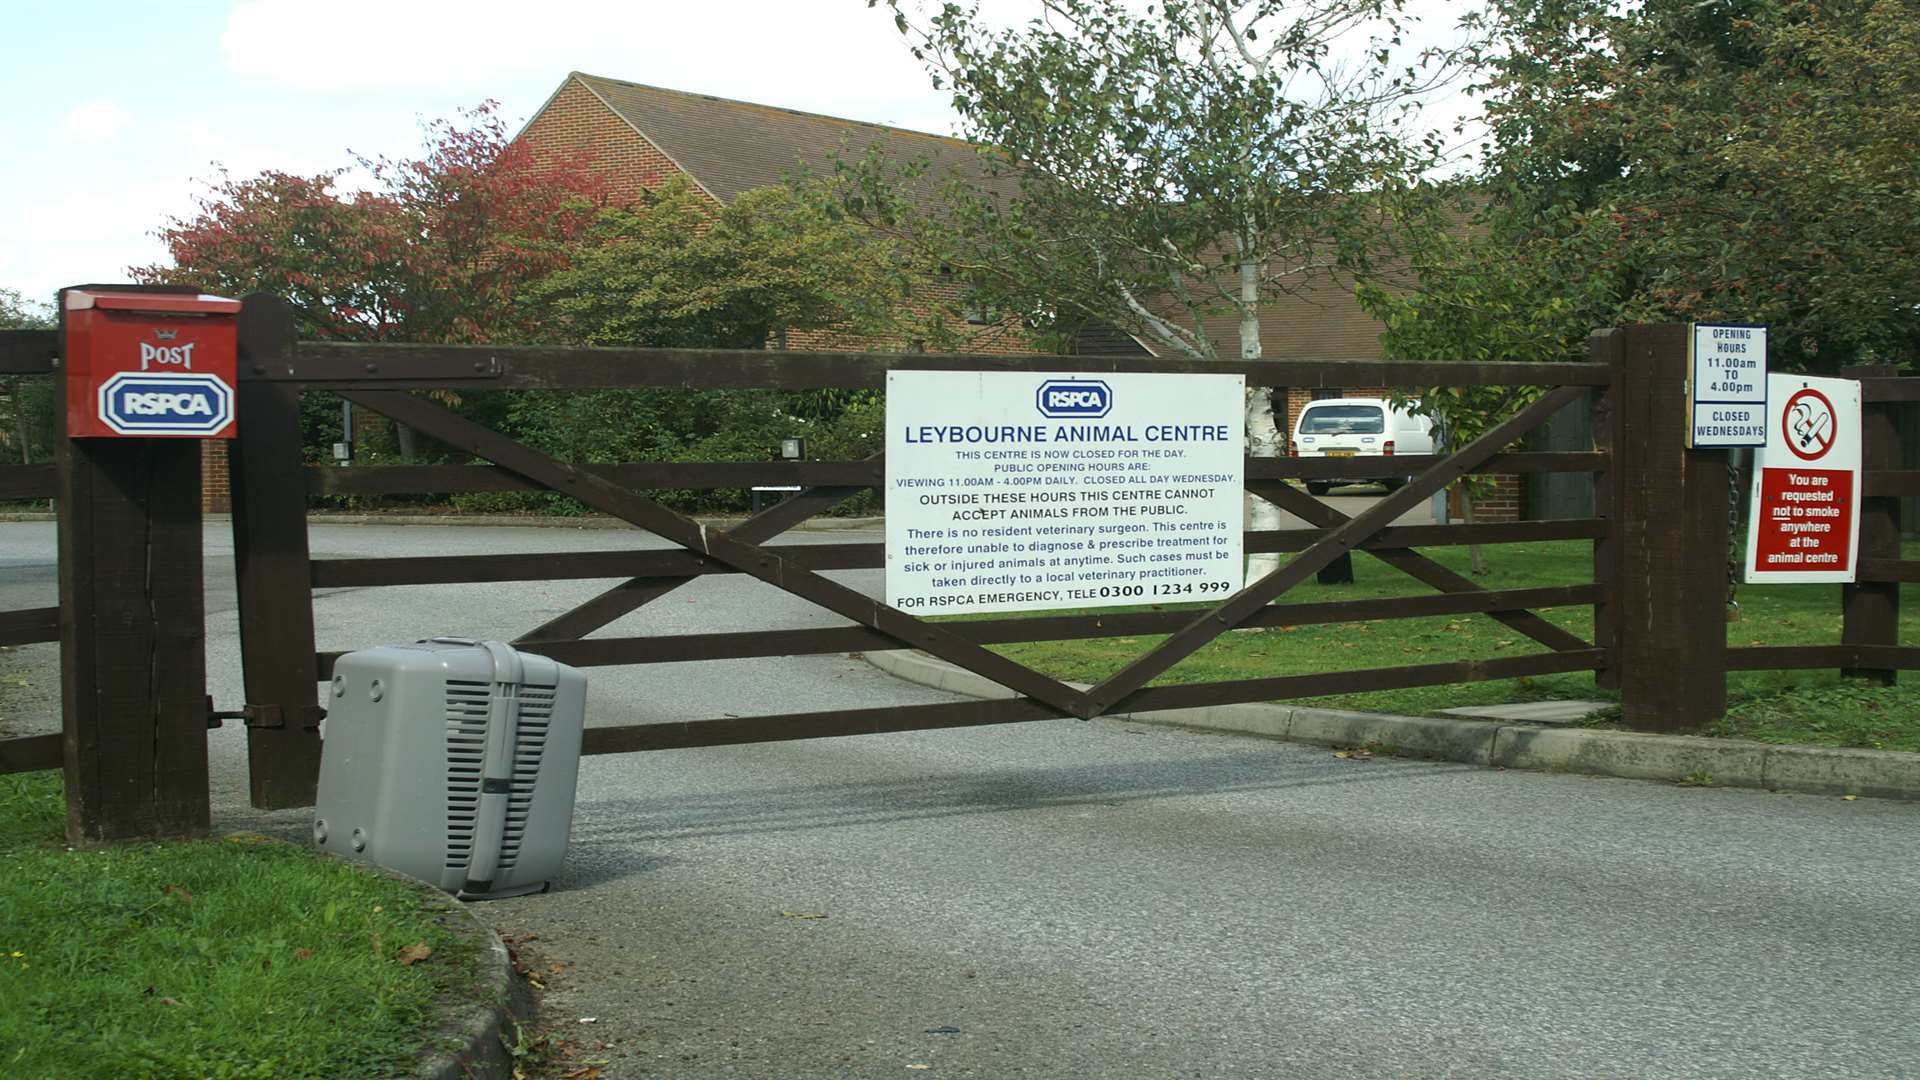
{"x": 118, "y": 117}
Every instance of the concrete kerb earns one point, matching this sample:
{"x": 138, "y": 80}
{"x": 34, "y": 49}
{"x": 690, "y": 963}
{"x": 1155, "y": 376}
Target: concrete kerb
{"x": 1885, "y": 774}
{"x": 482, "y": 1029}
{"x": 472, "y": 1041}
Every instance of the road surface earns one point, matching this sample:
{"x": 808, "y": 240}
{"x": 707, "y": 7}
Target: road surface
{"x": 1110, "y": 899}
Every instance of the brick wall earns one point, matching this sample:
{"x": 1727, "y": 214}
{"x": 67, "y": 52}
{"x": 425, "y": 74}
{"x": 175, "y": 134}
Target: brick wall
{"x": 576, "y": 125}
{"x": 216, "y": 493}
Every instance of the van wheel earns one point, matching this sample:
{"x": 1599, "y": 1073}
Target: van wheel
{"x": 1318, "y": 487}
{"x": 1393, "y": 484}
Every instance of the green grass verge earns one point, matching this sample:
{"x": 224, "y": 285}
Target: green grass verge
{"x": 1815, "y": 707}
{"x": 242, "y": 957}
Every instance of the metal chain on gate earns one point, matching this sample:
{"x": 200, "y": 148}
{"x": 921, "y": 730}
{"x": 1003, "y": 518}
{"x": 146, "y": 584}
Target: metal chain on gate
{"x": 1733, "y": 531}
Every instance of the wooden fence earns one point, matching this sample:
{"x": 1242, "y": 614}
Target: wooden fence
{"x": 1658, "y": 535}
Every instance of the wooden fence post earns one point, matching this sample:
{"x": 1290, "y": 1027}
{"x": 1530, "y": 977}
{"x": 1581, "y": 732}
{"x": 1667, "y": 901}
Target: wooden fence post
{"x": 1607, "y": 347}
{"x": 271, "y": 568}
{"x": 1871, "y": 609}
{"x": 132, "y": 637}
{"x": 1670, "y": 527}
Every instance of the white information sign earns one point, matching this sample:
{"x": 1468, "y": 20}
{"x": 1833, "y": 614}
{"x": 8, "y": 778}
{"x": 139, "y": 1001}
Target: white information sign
{"x": 1804, "y": 520}
{"x": 1015, "y": 491}
{"x": 1727, "y": 386}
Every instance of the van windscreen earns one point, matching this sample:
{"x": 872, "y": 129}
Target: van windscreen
{"x": 1343, "y": 420}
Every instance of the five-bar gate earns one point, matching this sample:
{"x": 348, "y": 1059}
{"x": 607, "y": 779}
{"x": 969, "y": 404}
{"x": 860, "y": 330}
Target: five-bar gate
{"x": 1658, "y": 534}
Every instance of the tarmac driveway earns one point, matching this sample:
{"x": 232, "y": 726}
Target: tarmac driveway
{"x": 1109, "y": 899}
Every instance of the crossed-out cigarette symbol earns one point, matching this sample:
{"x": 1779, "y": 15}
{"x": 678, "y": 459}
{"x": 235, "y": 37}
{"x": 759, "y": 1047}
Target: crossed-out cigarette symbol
{"x": 1807, "y": 424}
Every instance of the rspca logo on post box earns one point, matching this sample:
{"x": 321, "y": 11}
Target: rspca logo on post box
{"x": 1074, "y": 399}
{"x": 165, "y": 403}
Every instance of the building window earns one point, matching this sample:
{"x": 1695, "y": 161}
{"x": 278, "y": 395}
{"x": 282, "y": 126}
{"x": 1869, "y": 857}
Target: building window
{"x": 1324, "y": 393}
{"x": 978, "y": 311}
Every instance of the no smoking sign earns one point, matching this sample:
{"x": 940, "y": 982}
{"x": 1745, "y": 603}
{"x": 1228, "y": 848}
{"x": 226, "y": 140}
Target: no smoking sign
{"x": 1808, "y": 424}
{"x": 1804, "y": 524}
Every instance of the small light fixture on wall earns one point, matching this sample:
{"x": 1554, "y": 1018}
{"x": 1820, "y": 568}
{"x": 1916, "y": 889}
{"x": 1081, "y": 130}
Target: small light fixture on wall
{"x": 793, "y": 449}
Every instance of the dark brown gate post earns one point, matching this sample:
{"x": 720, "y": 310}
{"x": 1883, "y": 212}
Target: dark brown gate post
{"x": 1871, "y": 609}
{"x": 1607, "y": 347}
{"x": 1669, "y": 583}
{"x": 132, "y": 636}
{"x": 272, "y": 577}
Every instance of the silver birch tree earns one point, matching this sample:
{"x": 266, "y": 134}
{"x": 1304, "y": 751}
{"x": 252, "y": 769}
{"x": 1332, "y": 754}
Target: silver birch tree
{"x": 1163, "y": 166}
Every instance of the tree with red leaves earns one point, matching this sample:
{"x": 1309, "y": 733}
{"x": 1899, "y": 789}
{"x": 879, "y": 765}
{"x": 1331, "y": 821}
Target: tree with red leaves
{"x": 436, "y": 249}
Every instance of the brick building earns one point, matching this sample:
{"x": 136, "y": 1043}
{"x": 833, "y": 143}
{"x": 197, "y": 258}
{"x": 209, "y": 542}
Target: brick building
{"x": 643, "y": 135}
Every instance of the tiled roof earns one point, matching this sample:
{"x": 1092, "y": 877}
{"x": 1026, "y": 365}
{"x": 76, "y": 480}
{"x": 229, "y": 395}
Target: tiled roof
{"x": 729, "y": 147}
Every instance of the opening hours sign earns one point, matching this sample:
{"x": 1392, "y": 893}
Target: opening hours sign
{"x": 1804, "y": 524}
{"x": 1727, "y": 386}
{"x": 1018, "y": 491}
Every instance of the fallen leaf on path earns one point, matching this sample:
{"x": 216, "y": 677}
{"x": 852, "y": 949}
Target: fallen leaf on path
{"x": 414, "y": 953}
{"x": 588, "y": 1072}
{"x": 803, "y": 914}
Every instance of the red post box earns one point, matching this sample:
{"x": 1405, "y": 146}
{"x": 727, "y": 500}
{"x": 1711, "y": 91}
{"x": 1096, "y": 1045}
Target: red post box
{"x": 149, "y": 364}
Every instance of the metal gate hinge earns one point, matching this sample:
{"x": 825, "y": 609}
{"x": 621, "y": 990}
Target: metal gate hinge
{"x": 268, "y": 717}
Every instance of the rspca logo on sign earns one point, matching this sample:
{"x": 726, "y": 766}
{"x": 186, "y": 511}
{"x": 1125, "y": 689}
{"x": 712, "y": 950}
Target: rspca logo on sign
{"x": 1074, "y": 399}
{"x": 165, "y": 403}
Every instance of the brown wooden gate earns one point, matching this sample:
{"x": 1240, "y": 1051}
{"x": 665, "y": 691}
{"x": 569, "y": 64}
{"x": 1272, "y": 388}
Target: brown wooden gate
{"x": 1659, "y": 535}
{"x": 277, "y": 576}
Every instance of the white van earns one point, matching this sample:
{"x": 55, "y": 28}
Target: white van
{"x": 1359, "y": 427}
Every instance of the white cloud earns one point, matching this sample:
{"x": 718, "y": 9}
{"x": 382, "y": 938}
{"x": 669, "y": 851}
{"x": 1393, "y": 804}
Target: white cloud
{"x": 832, "y": 56}
{"x": 217, "y": 149}
{"x": 85, "y": 235}
{"x": 95, "y": 121}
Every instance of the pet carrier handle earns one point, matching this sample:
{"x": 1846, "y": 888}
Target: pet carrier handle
{"x": 496, "y": 773}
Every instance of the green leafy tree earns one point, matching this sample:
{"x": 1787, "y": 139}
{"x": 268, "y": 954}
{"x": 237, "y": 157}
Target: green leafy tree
{"x": 1675, "y": 160}
{"x": 29, "y": 403}
{"x": 677, "y": 270}
{"x": 1490, "y": 293}
{"x": 436, "y": 250}
{"x": 1161, "y": 166}
{"x": 1740, "y": 160}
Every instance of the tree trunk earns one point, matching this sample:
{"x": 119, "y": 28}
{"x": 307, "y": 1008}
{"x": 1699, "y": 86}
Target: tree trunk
{"x": 21, "y": 434}
{"x": 1476, "y": 553}
{"x": 1263, "y": 435}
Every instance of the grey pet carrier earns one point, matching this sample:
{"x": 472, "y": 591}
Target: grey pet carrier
{"x": 452, "y": 761}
